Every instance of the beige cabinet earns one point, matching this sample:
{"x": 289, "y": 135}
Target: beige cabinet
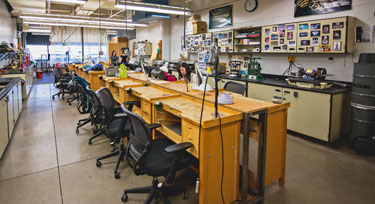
{"x": 322, "y": 116}
{"x": 11, "y": 122}
{"x": 3, "y": 125}
{"x": 309, "y": 112}
{"x": 264, "y": 92}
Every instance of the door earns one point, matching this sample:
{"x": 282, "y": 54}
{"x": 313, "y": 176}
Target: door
{"x": 264, "y": 92}
{"x": 309, "y": 112}
{"x": 10, "y": 100}
{"x": 20, "y": 91}
{"x": 3, "y": 125}
{"x": 15, "y": 103}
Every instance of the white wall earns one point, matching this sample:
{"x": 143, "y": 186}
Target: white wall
{"x": 271, "y": 12}
{"x": 159, "y": 30}
{"x": 8, "y": 27}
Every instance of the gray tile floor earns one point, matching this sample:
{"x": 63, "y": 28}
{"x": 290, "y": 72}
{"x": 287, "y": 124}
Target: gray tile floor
{"x": 47, "y": 162}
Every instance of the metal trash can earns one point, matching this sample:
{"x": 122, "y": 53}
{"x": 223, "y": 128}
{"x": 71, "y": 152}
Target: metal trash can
{"x": 362, "y": 131}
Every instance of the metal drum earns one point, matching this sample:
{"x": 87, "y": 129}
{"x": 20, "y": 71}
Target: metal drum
{"x": 362, "y": 135}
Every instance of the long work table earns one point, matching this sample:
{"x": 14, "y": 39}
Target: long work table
{"x": 178, "y": 110}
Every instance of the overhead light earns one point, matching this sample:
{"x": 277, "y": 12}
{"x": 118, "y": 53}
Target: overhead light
{"x": 70, "y": 1}
{"x": 75, "y": 17}
{"x": 41, "y": 33}
{"x": 77, "y": 25}
{"x": 38, "y": 31}
{"x": 72, "y": 20}
{"x": 156, "y": 8}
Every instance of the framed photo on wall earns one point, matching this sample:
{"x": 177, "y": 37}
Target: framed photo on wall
{"x": 314, "y": 7}
{"x": 221, "y": 17}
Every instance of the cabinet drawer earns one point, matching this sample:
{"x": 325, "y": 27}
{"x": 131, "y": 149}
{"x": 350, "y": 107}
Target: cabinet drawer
{"x": 190, "y": 133}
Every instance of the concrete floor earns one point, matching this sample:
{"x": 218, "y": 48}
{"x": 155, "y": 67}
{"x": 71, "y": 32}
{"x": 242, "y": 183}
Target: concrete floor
{"x": 47, "y": 162}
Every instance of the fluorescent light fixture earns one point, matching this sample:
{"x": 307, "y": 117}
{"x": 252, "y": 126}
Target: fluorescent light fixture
{"x": 156, "y": 8}
{"x": 70, "y": 1}
{"x": 72, "y": 20}
{"x": 75, "y": 17}
{"x": 38, "y": 31}
{"x": 76, "y": 25}
{"x": 41, "y": 33}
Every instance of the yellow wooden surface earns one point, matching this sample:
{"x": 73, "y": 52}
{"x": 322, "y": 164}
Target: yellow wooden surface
{"x": 184, "y": 107}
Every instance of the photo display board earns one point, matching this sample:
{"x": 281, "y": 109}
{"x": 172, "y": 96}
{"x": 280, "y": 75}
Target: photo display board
{"x": 225, "y": 41}
{"x": 322, "y": 36}
{"x": 280, "y": 38}
{"x": 198, "y": 43}
{"x": 334, "y": 35}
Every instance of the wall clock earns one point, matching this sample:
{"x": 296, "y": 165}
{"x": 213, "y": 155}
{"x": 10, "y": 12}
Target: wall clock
{"x": 251, "y": 5}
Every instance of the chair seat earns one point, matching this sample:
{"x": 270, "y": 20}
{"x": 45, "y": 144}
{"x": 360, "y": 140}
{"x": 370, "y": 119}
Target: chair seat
{"x": 113, "y": 129}
{"x": 157, "y": 162}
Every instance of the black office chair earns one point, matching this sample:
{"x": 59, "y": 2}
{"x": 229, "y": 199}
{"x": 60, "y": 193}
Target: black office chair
{"x": 73, "y": 90}
{"x": 235, "y": 87}
{"x": 156, "y": 158}
{"x": 87, "y": 102}
{"x": 117, "y": 126}
{"x": 61, "y": 83}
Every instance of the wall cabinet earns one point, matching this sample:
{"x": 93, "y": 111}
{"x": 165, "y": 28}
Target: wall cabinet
{"x": 322, "y": 116}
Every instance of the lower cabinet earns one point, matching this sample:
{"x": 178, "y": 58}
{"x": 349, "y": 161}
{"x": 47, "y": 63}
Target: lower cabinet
{"x": 4, "y": 140}
{"x": 322, "y": 116}
{"x": 10, "y": 109}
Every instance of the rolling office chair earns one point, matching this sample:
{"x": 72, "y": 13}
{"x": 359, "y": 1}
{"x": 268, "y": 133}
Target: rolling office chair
{"x": 73, "y": 89}
{"x": 156, "y": 158}
{"x": 235, "y": 87}
{"x": 61, "y": 82}
{"x": 117, "y": 127}
{"x": 85, "y": 103}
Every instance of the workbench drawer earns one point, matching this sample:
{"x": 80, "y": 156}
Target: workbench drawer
{"x": 190, "y": 133}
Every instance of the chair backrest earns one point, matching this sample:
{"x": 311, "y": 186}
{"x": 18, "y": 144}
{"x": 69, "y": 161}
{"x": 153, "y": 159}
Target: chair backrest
{"x": 57, "y": 75}
{"x": 235, "y": 87}
{"x": 106, "y": 99}
{"x": 83, "y": 101}
{"x": 140, "y": 138}
{"x": 96, "y": 111}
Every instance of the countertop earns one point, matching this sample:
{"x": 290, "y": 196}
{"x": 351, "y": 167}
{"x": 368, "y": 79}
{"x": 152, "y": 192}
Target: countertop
{"x": 275, "y": 80}
{"x": 9, "y": 86}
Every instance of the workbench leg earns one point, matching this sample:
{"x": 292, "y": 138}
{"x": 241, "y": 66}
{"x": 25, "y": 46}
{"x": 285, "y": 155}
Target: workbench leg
{"x": 245, "y": 154}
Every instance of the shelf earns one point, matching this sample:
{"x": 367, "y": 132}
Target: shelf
{"x": 249, "y": 45}
{"x": 235, "y": 53}
{"x": 246, "y": 37}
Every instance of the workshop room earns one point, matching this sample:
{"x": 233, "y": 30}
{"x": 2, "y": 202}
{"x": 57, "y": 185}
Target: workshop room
{"x": 187, "y": 101}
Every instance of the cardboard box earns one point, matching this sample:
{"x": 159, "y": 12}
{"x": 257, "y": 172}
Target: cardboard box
{"x": 119, "y": 40}
{"x": 199, "y": 27}
{"x": 195, "y": 18}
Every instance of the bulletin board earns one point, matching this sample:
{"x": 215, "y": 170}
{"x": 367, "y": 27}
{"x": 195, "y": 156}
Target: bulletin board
{"x": 279, "y": 38}
{"x": 198, "y": 43}
{"x": 322, "y": 36}
{"x": 225, "y": 41}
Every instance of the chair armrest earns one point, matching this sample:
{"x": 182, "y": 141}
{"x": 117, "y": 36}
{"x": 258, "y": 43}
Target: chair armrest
{"x": 120, "y": 115}
{"x": 131, "y": 103}
{"x": 178, "y": 147}
{"x": 153, "y": 126}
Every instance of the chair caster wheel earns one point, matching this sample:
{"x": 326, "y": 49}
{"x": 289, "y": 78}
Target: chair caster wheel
{"x": 77, "y": 131}
{"x": 117, "y": 175}
{"x": 70, "y": 104}
{"x": 63, "y": 97}
{"x": 184, "y": 196}
{"x": 53, "y": 98}
{"x": 90, "y": 142}
{"x": 98, "y": 164}
{"x": 124, "y": 198}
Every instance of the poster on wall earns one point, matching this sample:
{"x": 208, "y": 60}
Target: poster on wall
{"x": 313, "y": 7}
{"x": 363, "y": 34}
{"x": 221, "y": 17}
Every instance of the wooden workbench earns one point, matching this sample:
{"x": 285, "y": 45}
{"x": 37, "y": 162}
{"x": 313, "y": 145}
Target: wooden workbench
{"x": 182, "y": 107}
